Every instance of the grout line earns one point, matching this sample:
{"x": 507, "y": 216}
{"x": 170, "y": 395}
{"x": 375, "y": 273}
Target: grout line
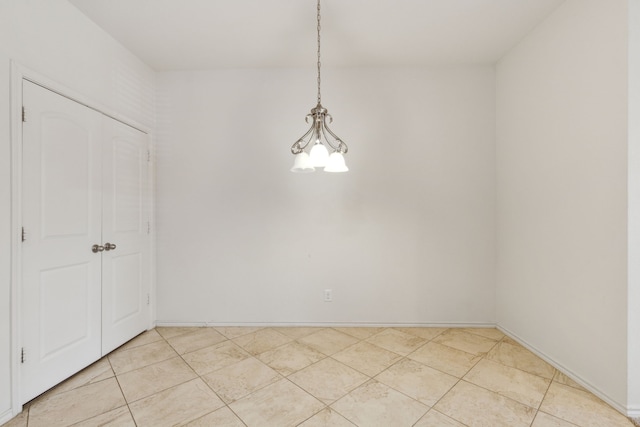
{"x": 544, "y": 396}
{"x": 198, "y": 376}
{"x": 121, "y": 390}
{"x": 432, "y": 408}
{"x": 328, "y": 405}
{"x": 250, "y": 356}
{"x": 480, "y": 357}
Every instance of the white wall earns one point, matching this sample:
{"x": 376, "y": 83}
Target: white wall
{"x": 562, "y": 192}
{"x": 54, "y": 39}
{"x": 634, "y": 210}
{"x": 406, "y": 236}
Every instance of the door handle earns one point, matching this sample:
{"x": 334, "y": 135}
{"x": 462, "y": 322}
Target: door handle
{"x": 97, "y": 248}
{"x": 109, "y": 246}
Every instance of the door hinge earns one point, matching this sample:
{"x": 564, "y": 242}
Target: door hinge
{"x": 148, "y": 299}
{"x": 148, "y": 227}
{"x": 22, "y": 356}
{"x": 24, "y": 235}
{"x": 148, "y": 156}
{"x": 24, "y": 114}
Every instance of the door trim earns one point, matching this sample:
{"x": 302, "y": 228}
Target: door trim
{"x": 18, "y": 74}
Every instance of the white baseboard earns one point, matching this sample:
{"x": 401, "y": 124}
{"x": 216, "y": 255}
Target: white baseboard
{"x": 162, "y": 323}
{"x": 622, "y": 408}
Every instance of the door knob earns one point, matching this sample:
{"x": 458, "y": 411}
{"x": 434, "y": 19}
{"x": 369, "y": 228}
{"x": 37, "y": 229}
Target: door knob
{"x": 109, "y": 246}
{"x": 97, "y": 248}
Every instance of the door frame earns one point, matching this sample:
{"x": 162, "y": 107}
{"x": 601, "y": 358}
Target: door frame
{"x": 18, "y": 74}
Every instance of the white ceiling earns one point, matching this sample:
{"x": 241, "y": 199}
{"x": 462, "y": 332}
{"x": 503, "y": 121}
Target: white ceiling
{"x": 202, "y": 34}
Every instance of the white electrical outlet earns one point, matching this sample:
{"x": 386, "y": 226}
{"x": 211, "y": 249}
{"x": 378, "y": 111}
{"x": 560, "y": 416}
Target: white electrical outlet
{"x": 328, "y": 295}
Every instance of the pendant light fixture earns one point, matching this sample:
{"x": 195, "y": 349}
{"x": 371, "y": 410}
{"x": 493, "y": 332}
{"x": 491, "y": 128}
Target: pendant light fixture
{"x": 321, "y": 136}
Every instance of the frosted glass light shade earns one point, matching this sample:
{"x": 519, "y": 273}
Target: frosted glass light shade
{"x": 336, "y": 163}
{"x": 302, "y": 163}
{"x": 319, "y": 155}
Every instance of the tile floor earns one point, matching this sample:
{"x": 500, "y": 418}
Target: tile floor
{"x": 310, "y": 377}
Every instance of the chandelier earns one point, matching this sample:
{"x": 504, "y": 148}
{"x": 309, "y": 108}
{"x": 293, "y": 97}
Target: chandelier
{"x": 322, "y": 137}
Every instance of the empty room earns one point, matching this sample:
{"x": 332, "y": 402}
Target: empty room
{"x": 320, "y": 213}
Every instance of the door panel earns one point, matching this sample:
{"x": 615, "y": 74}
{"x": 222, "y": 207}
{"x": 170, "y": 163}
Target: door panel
{"x": 127, "y": 272}
{"x": 65, "y": 190}
{"x": 61, "y": 205}
{"x": 64, "y": 315}
{"x": 128, "y": 163}
{"x": 126, "y": 276}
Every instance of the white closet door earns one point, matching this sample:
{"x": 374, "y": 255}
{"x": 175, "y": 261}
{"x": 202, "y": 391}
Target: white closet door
{"x": 61, "y": 205}
{"x": 125, "y": 269}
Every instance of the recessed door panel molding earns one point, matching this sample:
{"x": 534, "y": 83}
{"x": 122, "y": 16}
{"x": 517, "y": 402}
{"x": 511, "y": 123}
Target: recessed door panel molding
{"x": 85, "y": 270}
{"x": 127, "y": 300}
{"x": 66, "y": 195}
{"x": 64, "y": 312}
{"x": 129, "y": 159}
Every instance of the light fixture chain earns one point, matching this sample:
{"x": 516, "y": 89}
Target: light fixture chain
{"x": 319, "y": 97}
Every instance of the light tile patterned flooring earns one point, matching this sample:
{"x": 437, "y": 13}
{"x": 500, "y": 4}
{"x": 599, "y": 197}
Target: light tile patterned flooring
{"x": 310, "y": 377}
